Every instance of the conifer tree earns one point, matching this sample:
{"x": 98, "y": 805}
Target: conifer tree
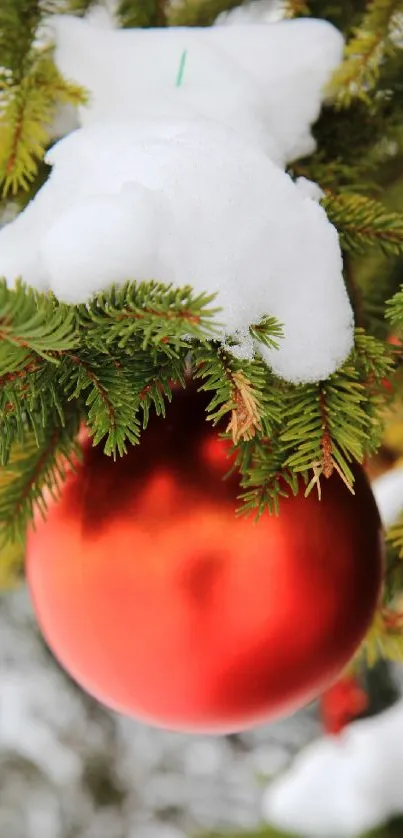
{"x": 57, "y": 368}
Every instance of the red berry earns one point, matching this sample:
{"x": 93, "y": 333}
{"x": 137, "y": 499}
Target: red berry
{"x": 342, "y": 703}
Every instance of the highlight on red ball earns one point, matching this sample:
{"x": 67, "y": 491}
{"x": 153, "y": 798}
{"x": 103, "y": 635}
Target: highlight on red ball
{"x": 166, "y": 606}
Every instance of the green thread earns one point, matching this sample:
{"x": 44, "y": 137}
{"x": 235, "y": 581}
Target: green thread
{"x": 182, "y": 66}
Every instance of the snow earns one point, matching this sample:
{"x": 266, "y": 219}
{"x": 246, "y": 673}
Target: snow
{"x": 179, "y": 177}
{"x": 104, "y": 16}
{"x": 258, "y": 11}
{"x": 53, "y": 738}
{"x": 388, "y": 491}
{"x": 341, "y": 787}
{"x": 64, "y": 121}
{"x": 123, "y": 237}
{"x": 162, "y": 200}
{"x": 309, "y": 189}
{"x": 263, "y": 81}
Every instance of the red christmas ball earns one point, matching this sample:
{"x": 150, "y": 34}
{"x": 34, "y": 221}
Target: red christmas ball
{"x": 164, "y": 605}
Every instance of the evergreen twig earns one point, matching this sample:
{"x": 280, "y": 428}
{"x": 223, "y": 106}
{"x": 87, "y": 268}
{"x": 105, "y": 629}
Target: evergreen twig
{"x": 363, "y": 223}
{"x": 142, "y": 13}
{"x": 196, "y": 13}
{"x": 365, "y": 52}
{"x": 36, "y": 466}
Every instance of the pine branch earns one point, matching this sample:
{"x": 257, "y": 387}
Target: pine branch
{"x": 20, "y": 405}
{"x": 395, "y": 538}
{"x": 112, "y": 404}
{"x": 365, "y": 53}
{"x": 244, "y": 391}
{"x": 196, "y": 13}
{"x": 363, "y": 223}
{"x": 336, "y": 175}
{"x": 34, "y": 330}
{"x": 142, "y": 13}
{"x": 265, "y": 478}
{"x": 112, "y": 392}
{"x": 108, "y": 363}
{"x": 351, "y": 139}
{"x": 394, "y": 310}
{"x": 34, "y": 467}
{"x": 295, "y": 8}
{"x": 269, "y": 332}
{"x": 344, "y": 14}
{"x": 373, "y": 361}
{"x": 159, "y": 316}
{"x": 384, "y": 639}
{"x": 11, "y": 562}
{"x": 324, "y": 427}
{"x": 78, "y": 7}
{"x": 249, "y": 404}
{"x": 27, "y": 108}
{"x": 19, "y": 20}
{"x": 245, "y": 419}
{"x": 159, "y": 387}
{"x": 28, "y": 402}
{"x": 33, "y": 324}
{"x": 327, "y": 444}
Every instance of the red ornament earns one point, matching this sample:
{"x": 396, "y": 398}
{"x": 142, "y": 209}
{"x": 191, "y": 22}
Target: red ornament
{"x": 342, "y": 703}
{"x": 165, "y": 606}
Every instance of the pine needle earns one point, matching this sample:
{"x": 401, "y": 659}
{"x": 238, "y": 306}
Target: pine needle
{"x": 363, "y": 223}
{"x": 245, "y": 419}
{"x": 27, "y": 107}
{"x": 384, "y": 639}
{"x": 198, "y": 12}
{"x": 364, "y": 53}
{"x": 295, "y": 8}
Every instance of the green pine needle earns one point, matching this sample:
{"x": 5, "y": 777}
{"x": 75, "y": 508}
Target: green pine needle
{"x": 363, "y": 223}
{"x": 365, "y": 53}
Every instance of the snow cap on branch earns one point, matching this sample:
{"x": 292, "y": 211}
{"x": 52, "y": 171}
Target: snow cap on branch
{"x": 388, "y": 491}
{"x": 343, "y": 786}
{"x": 176, "y": 177}
{"x": 263, "y": 81}
{"x": 255, "y": 11}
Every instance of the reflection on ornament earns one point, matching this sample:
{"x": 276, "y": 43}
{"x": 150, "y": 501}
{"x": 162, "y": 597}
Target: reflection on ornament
{"x": 166, "y": 606}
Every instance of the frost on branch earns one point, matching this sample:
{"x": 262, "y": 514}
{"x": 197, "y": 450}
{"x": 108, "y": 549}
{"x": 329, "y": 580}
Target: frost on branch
{"x": 179, "y": 177}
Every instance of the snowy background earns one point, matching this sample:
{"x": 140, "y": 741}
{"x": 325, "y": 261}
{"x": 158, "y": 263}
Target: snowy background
{"x": 69, "y": 769}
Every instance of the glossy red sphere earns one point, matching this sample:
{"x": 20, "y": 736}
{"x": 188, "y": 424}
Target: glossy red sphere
{"x": 165, "y": 606}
